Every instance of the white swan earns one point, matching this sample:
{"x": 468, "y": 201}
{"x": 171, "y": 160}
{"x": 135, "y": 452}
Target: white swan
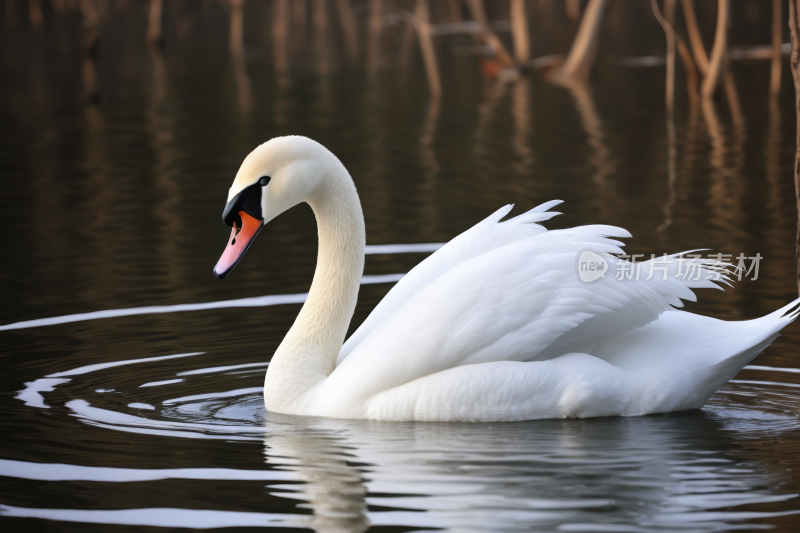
{"x": 496, "y": 325}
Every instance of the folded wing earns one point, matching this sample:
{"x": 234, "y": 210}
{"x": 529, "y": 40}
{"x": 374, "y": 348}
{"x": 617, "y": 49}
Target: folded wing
{"x": 482, "y": 238}
{"x": 520, "y": 299}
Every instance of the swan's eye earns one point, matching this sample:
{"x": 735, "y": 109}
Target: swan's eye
{"x": 264, "y": 180}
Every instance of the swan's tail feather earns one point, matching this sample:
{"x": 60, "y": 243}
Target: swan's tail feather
{"x": 521, "y": 226}
{"x": 767, "y": 329}
{"x": 598, "y": 230}
{"x": 683, "y": 273}
{"x": 546, "y": 206}
{"x": 788, "y": 313}
{"x": 712, "y": 270}
{"x": 495, "y": 217}
{"x": 756, "y": 334}
{"x": 539, "y": 213}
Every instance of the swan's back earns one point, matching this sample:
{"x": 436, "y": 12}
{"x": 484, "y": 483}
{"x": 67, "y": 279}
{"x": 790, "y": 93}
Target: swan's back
{"x": 497, "y": 325}
{"x": 482, "y": 238}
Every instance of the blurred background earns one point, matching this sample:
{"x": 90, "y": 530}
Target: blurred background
{"x": 124, "y": 122}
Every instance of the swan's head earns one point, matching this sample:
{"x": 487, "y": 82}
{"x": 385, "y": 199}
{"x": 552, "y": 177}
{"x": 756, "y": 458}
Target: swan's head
{"x": 274, "y": 177}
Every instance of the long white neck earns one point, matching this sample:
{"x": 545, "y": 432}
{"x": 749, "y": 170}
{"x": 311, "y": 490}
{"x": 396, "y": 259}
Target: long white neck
{"x": 308, "y": 353}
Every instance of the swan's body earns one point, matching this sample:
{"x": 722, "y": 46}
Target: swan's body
{"x": 496, "y": 325}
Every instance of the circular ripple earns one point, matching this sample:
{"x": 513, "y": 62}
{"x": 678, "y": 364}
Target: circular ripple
{"x": 646, "y": 474}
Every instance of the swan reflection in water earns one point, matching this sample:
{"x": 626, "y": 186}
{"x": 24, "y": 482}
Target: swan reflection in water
{"x": 654, "y": 473}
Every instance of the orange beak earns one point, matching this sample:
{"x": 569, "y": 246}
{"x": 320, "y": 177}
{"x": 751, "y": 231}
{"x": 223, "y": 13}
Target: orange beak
{"x": 240, "y": 241}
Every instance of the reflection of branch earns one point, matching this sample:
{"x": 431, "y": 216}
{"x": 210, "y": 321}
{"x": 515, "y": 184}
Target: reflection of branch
{"x": 455, "y": 11}
{"x": 419, "y": 21}
{"x": 519, "y": 30}
{"x": 154, "y": 21}
{"x": 374, "y": 32}
{"x": 89, "y": 13}
{"x": 732, "y": 96}
{"x": 280, "y": 17}
{"x": 423, "y": 27}
{"x": 719, "y": 62}
{"x": 672, "y": 174}
{"x": 690, "y": 140}
{"x": 95, "y": 166}
{"x": 715, "y": 133}
{"x": 584, "y": 47}
{"x": 159, "y": 74}
{"x": 236, "y": 33}
{"x": 323, "y": 61}
{"x": 773, "y": 159}
{"x": 718, "y": 51}
{"x": 668, "y": 25}
{"x": 243, "y": 92}
{"x": 90, "y": 26}
{"x": 590, "y": 120}
{"x": 777, "y": 41}
{"x": 673, "y": 39}
{"x": 320, "y": 16}
{"x": 237, "y": 51}
{"x": 321, "y": 37}
{"x": 406, "y": 45}
{"x": 794, "y": 61}
{"x": 522, "y": 126}
{"x": 486, "y": 112}
{"x": 601, "y": 157}
{"x": 726, "y": 184}
{"x": 298, "y": 26}
{"x": 669, "y": 9}
{"x": 348, "y": 26}
{"x": 89, "y": 79}
{"x": 692, "y": 78}
{"x": 573, "y": 8}
{"x": 35, "y": 12}
{"x": 694, "y": 36}
{"x": 167, "y": 208}
{"x": 487, "y": 35}
{"x": 428, "y": 153}
{"x": 11, "y": 13}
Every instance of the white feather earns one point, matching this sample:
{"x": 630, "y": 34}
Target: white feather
{"x": 496, "y": 325}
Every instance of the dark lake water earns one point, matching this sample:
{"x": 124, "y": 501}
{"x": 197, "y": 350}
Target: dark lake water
{"x": 131, "y": 384}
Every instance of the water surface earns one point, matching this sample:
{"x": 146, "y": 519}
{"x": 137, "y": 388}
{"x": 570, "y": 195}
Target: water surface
{"x": 131, "y": 380}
